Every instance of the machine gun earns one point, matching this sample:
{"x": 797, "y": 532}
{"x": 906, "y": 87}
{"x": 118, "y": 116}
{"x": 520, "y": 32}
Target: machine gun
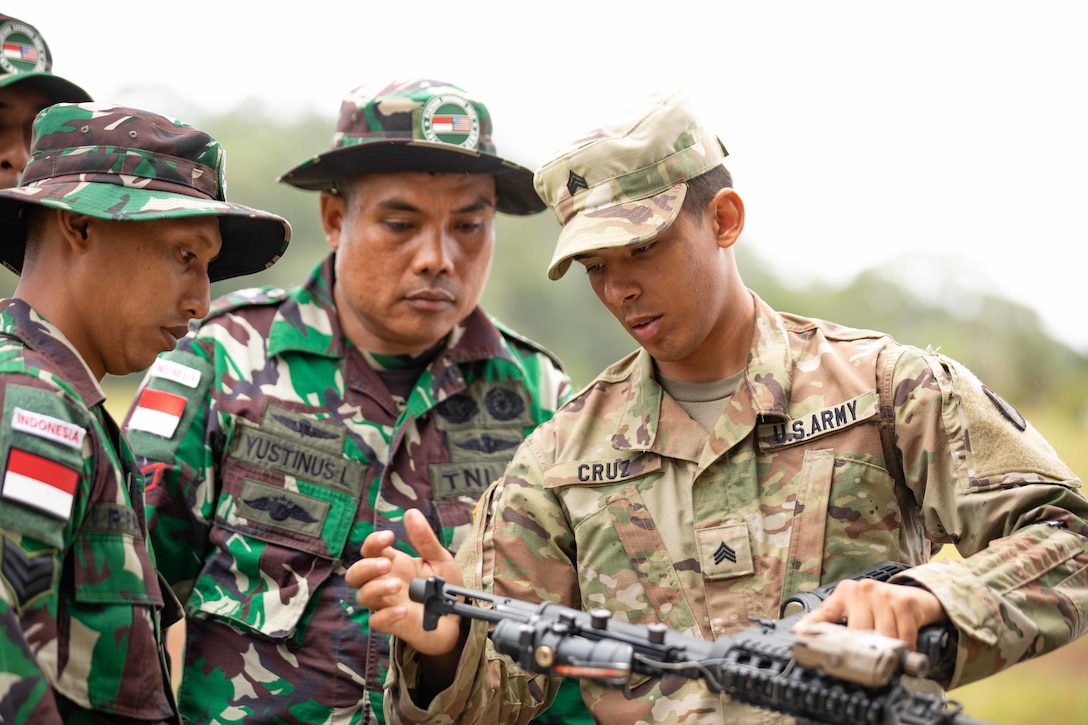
{"x": 821, "y": 673}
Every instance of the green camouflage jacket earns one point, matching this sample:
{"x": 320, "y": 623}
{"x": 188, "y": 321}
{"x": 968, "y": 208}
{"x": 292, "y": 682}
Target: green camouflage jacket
{"x": 79, "y": 597}
{"x": 840, "y": 448}
{"x": 272, "y": 449}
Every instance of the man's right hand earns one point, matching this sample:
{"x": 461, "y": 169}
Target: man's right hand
{"x": 383, "y": 576}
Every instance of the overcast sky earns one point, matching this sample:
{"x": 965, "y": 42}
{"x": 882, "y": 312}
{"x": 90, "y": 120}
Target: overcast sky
{"x": 860, "y": 133}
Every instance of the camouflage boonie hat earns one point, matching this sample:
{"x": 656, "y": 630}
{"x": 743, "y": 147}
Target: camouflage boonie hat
{"x": 124, "y": 164}
{"x": 623, "y": 184}
{"x": 25, "y": 58}
{"x": 416, "y": 125}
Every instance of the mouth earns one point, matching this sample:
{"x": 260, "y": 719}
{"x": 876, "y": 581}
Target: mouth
{"x": 643, "y": 327}
{"x": 432, "y": 298}
{"x": 173, "y": 334}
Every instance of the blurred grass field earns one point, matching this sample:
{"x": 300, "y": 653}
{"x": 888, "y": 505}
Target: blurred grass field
{"x": 1053, "y": 688}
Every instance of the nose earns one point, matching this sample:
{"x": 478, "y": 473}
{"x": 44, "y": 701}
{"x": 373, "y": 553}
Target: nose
{"x": 197, "y": 302}
{"x": 619, "y": 289}
{"x": 434, "y": 256}
{"x": 13, "y": 157}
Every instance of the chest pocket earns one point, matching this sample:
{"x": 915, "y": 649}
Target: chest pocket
{"x": 623, "y": 562}
{"x": 115, "y": 589}
{"x": 482, "y": 427}
{"x": 288, "y": 501}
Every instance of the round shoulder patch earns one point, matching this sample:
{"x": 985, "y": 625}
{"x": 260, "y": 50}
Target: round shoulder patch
{"x": 1007, "y": 409}
{"x": 450, "y": 118}
{"x": 23, "y": 49}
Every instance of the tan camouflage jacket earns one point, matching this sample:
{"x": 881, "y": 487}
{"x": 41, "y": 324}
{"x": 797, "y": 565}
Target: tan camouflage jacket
{"x": 841, "y": 448}
{"x": 80, "y": 601}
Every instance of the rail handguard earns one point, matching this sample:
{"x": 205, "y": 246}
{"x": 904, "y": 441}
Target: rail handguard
{"x": 822, "y": 673}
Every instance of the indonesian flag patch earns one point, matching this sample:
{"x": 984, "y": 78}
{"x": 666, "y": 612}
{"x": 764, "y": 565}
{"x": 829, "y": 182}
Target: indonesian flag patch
{"x": 157, "y": 412}
{"x": 40, "y": 483}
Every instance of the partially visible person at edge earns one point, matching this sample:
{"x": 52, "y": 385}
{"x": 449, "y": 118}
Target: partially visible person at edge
{"x": 308, "y": 418}
{"x": 740, "y": 456}
{"x": 117, "y": 228}
{"x": 27, "y": 85}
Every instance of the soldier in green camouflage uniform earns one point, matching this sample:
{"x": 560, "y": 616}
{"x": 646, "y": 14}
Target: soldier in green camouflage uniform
{"x": 27, "y": 85}
{"x": 117, "y": 228}
{"x": 741, "y": 456}
{"x": 308, "y": 418}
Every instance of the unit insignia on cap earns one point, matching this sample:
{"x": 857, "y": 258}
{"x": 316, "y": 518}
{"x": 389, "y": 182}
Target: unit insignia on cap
{"x": 23, "y": 50}
{"x": 451, "y": 119}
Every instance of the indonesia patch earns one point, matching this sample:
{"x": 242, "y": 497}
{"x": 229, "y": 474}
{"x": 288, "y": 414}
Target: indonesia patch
{"x": 175, "y": 372}
{"x": 157, "y": 412}
{"x": 40, "y": 483}
{"x": 48, "y": 427}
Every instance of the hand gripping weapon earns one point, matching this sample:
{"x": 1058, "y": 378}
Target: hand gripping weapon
{"x": 822, "y": 673}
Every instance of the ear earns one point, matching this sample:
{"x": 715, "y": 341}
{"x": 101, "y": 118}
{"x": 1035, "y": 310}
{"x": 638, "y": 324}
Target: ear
{"x": 333, "y": 210}
{"x": 74, "y": 229}
{"x": 727, "y": 211}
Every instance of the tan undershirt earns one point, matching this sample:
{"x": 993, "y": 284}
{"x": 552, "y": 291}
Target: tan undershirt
{"x": 704, "y": 402}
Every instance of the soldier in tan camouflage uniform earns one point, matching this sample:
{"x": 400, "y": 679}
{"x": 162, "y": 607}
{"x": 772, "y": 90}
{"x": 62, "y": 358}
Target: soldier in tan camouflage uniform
{"x": 117, "y": 228}
{"x": 27, "y": 85}
{"x": 742, "y": 455}
{"x": 305, "y": 419}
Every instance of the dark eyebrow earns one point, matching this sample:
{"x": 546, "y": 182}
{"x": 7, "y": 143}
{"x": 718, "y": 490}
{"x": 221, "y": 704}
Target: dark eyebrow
{"x": 207, "y": 242}
{"x": 397, "y": 205}
{"x": 580, "y": 257}
{"x": 481, "y": 204}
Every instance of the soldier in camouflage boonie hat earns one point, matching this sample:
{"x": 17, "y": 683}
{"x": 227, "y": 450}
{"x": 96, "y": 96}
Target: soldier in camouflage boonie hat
{"x": 416, "y": 125}
{"x": 623, "y": 184}
{"x": 124, "y": 164}
{"x": 25, "y": 59}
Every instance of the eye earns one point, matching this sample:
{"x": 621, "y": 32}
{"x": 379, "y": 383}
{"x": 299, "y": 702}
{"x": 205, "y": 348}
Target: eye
{"x": 471, "y": 227}
{"x": 643, "y": 249}
{"x": 397, "y": 225}
{"x": 186, "y": 255}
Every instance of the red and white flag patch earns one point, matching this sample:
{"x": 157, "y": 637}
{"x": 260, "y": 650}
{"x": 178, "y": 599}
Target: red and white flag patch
{"x": 157, "y": 412}
{"x": 40, "y": 483}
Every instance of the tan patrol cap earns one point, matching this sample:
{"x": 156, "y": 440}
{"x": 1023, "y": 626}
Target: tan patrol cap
{"x": 623, "y": 184}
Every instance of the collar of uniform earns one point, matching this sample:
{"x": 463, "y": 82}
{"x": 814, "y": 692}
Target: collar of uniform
{"x": 306, "y": 320}
{"x": 476, "y": 338}
{"x": 768, "y": 375}
{"x": 766, "y": 389}
{"x": 21, "y": 321}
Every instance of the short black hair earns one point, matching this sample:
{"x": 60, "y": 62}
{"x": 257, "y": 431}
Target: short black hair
{"x": 703, "y": 187}
{"x": 33, "y": 217}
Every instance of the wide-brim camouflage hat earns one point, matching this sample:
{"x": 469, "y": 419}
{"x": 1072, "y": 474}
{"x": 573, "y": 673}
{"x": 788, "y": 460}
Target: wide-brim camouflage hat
{"x": 25, "y": 59}
{"x": 624, "y": 183}
{"x": 124, "y": 164}
{"x": 416, "y": 125}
